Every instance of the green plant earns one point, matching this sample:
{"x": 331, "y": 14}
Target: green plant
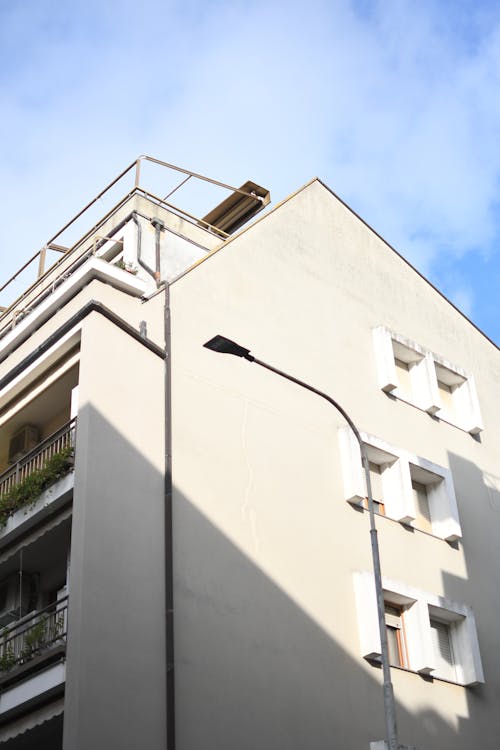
{"x": 126, "y": 266}
{"x": 26, "y": 492}
{"x": 35, "y": 639}
{"x": 7, "y": 657}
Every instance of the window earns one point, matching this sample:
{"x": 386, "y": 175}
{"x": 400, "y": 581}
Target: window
{"x": 409, "y": 372}
{"x": 405, "y": 487}
{"x": 443, "y": 649}
{"x": 426, "y": 633}
{"x": 422, "y": 510}
{"x": 430, "y": 495}
{"x": 396, "y": 638}
{"x": 403, "y": 376}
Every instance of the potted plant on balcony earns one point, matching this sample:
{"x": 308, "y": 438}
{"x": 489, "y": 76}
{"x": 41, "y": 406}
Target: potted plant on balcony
{"x": 35, "y": 639}
{"x": 7, "y": 655}
{"x": 28, "y": 490}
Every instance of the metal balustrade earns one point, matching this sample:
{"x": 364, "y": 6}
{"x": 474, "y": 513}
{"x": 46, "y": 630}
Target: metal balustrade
{"x": 14, "y": 311}
{"x": 38, "y": 456}
{"x": 33, "y": 635}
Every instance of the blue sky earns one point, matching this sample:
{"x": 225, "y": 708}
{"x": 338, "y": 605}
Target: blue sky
{"x": 393, "y": 103}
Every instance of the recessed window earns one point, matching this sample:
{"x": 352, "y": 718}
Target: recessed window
{"x": 376, "y": 480}
{"x": 409, "y": 372}
{"x": 426, "y": 633}
{"x": 446, "y": 391}
{"x": 422, "y": 511}
{"x": 429, "y": 496}
{"x": 396, "y": 638}
{"x": 403, "y": 377}
{"x": 405, "y": 487}
{"x": 443, "y": 649}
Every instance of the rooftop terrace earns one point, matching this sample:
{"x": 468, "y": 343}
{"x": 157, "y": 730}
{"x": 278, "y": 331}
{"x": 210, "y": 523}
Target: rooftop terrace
{"x": 92, "y": 227}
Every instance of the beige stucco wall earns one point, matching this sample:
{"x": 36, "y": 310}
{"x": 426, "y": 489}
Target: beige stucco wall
{"x": 267, "y": 646}
{"x": 115, "y": 679}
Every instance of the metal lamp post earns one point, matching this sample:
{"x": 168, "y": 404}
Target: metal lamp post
{"x": 224, "y": 345}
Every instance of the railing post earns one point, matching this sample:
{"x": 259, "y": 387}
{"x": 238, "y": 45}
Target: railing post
{"x": 41, "y": 262}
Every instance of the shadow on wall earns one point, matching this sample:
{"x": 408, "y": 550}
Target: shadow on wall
{"x": 478, "y": 498}
{"x": 254, "y": 671}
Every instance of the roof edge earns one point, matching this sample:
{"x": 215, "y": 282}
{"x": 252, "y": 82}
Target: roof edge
{"x": 360, "y": 218}
{"x": 405, "y": 260}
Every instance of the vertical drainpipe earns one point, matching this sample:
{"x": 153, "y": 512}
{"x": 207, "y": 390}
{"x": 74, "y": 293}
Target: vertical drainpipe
{"x": 169, "y": 583}
{"x": 159, "y": 226}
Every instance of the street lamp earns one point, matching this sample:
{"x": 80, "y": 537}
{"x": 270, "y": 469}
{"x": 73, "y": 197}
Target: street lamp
{"x": 225, "y": 346}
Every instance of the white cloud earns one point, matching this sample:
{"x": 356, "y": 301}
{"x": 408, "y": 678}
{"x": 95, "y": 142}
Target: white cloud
{"x": 393, "y": 103}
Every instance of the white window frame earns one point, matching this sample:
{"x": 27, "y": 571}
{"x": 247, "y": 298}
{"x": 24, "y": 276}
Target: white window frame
{"x": 424, "y": 368}
{"x": 397, "y": 483}
{"x": 419, "y": 607}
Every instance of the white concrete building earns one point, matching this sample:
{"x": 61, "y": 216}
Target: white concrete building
{"x": 185, "y": 553}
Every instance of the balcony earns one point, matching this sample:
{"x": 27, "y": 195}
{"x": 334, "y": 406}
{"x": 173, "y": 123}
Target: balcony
{"x": 33, "y": 616}
{"x": 30, "y": 643}
{"x": 24, "y": 480}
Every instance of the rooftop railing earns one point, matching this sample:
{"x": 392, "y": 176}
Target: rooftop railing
{"x": 37, "y": 265}
{"x": 38, "y": 457}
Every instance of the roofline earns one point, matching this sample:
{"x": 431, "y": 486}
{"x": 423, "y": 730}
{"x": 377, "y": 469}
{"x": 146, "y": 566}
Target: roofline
{"x": 441, "y": 294}
{"x": 245, "y": 229}
{"x": 360, "y": 218}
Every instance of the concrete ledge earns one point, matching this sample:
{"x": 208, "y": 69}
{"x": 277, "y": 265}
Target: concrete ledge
{"x": 33, "y": 689}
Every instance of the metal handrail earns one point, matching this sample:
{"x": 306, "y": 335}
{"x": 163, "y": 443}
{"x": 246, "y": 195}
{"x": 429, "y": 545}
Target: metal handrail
{"x": 35, "y": 459}
{"x": 40, "y": 254}
{"x": 34, "y": 633}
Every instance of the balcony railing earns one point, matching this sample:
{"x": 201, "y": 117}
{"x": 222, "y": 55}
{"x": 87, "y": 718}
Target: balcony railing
{"x": 35, "y": 635}
{"x": 38, "y": 457}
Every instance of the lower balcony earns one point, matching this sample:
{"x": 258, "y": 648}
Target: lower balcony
{"x": 27, "y": 645}
{"x": 32, "y": 676}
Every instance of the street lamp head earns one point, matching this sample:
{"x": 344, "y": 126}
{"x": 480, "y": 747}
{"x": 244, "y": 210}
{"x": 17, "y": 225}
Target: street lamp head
{"x": 226, "y": 346}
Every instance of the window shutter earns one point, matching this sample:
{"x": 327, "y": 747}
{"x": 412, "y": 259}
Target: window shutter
{"x": 443, "y": 651}
{"x": 394, "y": 621}
{"x": 442, "y": 640}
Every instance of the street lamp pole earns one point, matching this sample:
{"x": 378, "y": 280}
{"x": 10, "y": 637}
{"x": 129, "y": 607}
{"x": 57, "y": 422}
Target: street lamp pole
{"x": 225, "y": 346}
